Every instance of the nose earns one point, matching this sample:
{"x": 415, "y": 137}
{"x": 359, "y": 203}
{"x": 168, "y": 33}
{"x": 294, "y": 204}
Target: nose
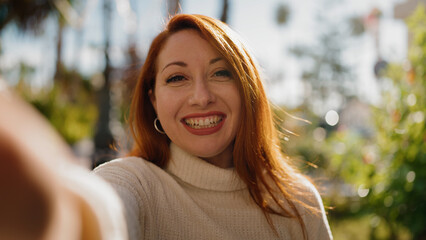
{"x": 202, "y": 94}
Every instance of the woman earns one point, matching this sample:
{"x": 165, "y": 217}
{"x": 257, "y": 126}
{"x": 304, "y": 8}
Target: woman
{"x": 213, "y": 168}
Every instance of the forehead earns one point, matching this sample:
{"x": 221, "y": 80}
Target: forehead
{"x": 185, "y": 45}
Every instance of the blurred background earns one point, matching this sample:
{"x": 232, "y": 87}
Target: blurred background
{"x": 346, "y": 78}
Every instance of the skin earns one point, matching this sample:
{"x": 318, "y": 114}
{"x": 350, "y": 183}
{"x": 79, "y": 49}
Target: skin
{"x": 194, "y": 82}
{"x": 34, "y": 204}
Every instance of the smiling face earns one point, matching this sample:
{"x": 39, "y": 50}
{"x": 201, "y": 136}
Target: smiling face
{"x": 196, "y": 98}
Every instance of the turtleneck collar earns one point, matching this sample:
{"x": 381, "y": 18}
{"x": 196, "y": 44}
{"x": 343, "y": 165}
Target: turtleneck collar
{"x": 200, "y": 173}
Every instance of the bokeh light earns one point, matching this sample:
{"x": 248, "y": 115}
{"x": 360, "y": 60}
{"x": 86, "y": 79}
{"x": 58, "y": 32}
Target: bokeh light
{"x": 332, "y": 118}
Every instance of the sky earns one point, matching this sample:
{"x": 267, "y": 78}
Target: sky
{"x": 254, "y": 20}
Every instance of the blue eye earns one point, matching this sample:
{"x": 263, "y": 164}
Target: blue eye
{"x": 175, "y": 78}
{"x": 223, "y": 73}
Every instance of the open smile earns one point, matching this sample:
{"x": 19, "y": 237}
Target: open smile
{"x": 203, "y": 124}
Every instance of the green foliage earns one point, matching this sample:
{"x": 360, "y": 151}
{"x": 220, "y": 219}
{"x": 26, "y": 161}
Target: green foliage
{"x": 68, "y": 105}
{"x": 401, "y": 136}
{"x": 360, "y": 228}
{"x": 73, "y": 120}
{"x": 377, "y": 181}
{"x": 388, "y": 171}
{"x": 349, "y": 153}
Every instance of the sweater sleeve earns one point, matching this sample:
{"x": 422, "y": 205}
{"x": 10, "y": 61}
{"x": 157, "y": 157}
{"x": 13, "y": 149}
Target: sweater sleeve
{"x": 316, "y": 223}
{"x": 99, "y": 197}
{"x": 124, "y": 181}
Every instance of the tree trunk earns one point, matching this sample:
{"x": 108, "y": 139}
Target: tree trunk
{"x": 104, "y": 139}
{"x": 225, "y": 10}
{"x": 58, "y": 70}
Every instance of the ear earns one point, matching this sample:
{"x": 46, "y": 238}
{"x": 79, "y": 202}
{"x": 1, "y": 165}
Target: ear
{"x": 152, "y": 99}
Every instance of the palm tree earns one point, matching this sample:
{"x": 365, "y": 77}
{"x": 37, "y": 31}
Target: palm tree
{"x": 225, "y": 11}
{"x": 28, "y": 15}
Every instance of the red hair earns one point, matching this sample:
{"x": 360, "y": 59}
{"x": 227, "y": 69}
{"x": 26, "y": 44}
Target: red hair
{"x": 257, "y": 156}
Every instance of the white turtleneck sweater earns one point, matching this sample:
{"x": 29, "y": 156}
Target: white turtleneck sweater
{"x": 193, "y": 199}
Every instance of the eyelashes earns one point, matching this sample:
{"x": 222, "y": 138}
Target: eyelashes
{"x": 175, "y": 78}
{"x": 221, "y": 75}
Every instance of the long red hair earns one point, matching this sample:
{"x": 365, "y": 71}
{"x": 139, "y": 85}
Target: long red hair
{"x": 257, "y": 156}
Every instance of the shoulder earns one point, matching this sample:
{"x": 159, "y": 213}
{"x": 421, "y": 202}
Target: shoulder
{"x": 123, "y": 165}
{"x": 314, "y": 216}
{"x": 309, "y": 194}
{"x": 133, "y": 176}
{"x": 130, "y": 171}
{"x": 136, "y": 181}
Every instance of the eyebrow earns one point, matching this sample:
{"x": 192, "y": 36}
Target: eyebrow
{"x": 215, "y": 60}
{"x": 179, "y": 63}
{"x": 183, "y": 64}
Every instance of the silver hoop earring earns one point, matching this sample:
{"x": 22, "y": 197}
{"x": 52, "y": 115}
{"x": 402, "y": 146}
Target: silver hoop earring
{"x": 157, "y": 128}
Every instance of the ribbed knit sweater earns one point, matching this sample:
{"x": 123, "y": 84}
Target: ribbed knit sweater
{"x": 193, "y": 199}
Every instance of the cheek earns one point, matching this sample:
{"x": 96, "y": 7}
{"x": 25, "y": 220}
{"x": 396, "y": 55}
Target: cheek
{"x": 233, "y": 99}
{"x": 238, "y": 109}
{"x": 167, "y": 103}
{"x": 236, "y": 101}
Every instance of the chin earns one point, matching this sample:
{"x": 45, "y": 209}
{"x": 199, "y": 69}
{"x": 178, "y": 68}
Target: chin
{"x": 205, "y": 153}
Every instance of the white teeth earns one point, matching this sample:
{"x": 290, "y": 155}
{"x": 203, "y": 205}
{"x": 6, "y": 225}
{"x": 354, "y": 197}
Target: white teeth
{"x": 208, "y": 122}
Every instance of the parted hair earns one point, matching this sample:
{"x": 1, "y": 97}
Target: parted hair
{"x": 273, "y": 182}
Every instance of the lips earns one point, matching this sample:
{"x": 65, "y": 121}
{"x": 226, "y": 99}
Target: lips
{"x": 203, "y": 124}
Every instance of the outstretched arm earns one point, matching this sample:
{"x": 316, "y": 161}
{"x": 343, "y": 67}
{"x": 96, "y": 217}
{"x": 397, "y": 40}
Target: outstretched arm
{"x": 43, "y": 191}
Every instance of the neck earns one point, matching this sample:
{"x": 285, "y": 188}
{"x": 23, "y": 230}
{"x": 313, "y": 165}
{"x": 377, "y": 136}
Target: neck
{"x": 222, "y": 160}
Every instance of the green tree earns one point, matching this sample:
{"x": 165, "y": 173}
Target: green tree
{"x": 70, "y": 108}
{"x": 388, "y": 171}
{"x": 68, "y": 104}
{"x": 399, "y": 183}
{"x": 26, "y": 14}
